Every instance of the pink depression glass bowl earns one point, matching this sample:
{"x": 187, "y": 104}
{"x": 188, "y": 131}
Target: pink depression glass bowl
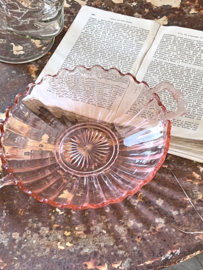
{"x": 69, "y": 140}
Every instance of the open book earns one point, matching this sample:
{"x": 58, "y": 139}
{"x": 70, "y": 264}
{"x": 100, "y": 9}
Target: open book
{"x": 152, "y": 53}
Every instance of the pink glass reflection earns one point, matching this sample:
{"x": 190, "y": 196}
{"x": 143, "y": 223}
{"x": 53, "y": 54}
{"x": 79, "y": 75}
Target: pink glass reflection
{"x": 84, "y": 160}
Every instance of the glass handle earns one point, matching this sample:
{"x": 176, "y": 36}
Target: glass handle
{"x": 176, "y": 94}
{"x": 7, "y": 180}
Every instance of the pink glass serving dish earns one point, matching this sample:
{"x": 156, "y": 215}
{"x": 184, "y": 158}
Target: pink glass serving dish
{"x": 76, "y": 140}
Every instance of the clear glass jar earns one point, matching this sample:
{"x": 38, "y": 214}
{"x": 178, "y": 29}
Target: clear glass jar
{"x": 28, "y": 28}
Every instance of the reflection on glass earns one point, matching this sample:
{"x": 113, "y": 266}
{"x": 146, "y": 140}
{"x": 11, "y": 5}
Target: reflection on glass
{"x": 28, "y": 28}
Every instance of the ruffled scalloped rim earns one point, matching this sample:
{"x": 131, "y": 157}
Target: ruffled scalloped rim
{"x": 58, "y": 205}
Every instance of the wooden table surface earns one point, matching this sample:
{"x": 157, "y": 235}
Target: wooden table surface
{"x": 153, "y": 229}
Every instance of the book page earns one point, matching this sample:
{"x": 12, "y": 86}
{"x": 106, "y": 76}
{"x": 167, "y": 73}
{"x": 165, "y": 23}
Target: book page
{"x": 99, "y": 37}
{"x": 104, "y": 38}
{"x": 94, "y": 93}
{"x": 182, "y": 152}
{"x": 177, "y": 56}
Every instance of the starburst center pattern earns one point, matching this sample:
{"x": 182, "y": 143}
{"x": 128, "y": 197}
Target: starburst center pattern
{"x": 87, "y": 149}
